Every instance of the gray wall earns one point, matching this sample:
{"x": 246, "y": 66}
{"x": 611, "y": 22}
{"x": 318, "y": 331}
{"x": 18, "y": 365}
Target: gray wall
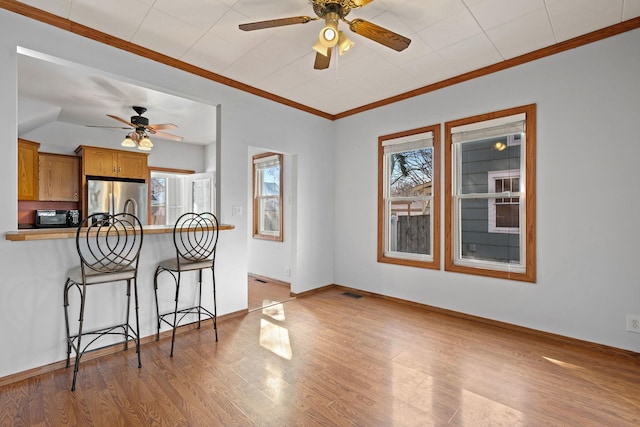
{"x": 588, "y": 104}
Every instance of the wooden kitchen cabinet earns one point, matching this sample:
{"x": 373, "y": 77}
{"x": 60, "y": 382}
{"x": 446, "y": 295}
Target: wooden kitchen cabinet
{"x": 59, "y": 177}
{"x": 27, "y": 169}
{"x": 132, "y": 165}
{"x": 98, "y": 161}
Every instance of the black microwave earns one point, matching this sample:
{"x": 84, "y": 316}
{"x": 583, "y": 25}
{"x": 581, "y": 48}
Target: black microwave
{"x": 57, "y": 218}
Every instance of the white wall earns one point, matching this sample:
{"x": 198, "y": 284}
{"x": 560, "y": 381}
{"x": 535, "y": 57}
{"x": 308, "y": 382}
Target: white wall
{"x": 31, "y": 309}
{"x": 588, "y": 105}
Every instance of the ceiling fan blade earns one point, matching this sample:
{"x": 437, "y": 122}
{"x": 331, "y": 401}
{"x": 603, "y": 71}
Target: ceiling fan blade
{"x": 165, "y": 135}
{"x": 276, "y": 23}
{"x": 378, "y": 34}
{"x": 121, "y": 120}
{"x": 322, "y": 62}
{"x": 162, "y": 126}
{"x": 108, "y": 127}
{"x": 360, "y": 3}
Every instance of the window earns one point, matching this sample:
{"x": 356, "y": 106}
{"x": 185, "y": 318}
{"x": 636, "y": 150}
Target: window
{"x": 408, "y": 198}
{"x": 267, "y": 196}
{"x": 490, "y": 194}
{"x": 167, "y": 196}
{"x": 504, "y": 212}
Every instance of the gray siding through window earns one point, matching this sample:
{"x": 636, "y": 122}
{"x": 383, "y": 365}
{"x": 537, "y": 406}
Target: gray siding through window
{"x": 478, "y": 159}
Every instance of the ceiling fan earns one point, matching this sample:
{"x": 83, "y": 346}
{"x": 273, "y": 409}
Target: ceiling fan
{"x": 140, "y": 128}
{"x": 332, "y": 11}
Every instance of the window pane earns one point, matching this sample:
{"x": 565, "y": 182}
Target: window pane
{"x": 270, "y": 181}
{"x": 508, "y": 215}
{"x": 158, "y": 200}
{"x": 269, "y": 215}
{"x": 478, "y": 243}
{"x": 481, "y": 157}
{"x": 411, "y": 173}
{"x": 410, "y": 227}
{"x": 267, "y": 196}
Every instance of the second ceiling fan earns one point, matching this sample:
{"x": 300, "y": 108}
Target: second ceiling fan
{"x": 333, "y": 11}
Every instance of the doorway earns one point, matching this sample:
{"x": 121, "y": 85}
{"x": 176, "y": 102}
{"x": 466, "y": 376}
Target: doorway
{"x": 264, "y": 291}
{"x": 270, "y": 261}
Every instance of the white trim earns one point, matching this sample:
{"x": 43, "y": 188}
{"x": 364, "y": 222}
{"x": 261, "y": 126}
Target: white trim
{"x": 500, "y": 121}
{"x": 491, "y": 202}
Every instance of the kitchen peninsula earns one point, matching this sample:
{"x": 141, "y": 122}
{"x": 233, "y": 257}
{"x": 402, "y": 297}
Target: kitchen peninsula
{"x": 68, "y": 233}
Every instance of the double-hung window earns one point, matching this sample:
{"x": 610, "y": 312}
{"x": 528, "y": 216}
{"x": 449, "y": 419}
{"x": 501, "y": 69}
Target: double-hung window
{"x": 408, "y": 198}
{"x": 490, "y": 194}
{"x": 267, "y": 196}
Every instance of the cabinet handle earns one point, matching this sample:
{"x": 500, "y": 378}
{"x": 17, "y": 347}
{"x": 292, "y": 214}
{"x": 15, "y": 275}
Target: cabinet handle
{"x": 119, "y": 168}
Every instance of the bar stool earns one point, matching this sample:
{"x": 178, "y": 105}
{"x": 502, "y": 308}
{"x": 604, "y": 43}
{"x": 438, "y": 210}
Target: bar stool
{"x": 109, "y": 250}
{"x": 195, "y": 237}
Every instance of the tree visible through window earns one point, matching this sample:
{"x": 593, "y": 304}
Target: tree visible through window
{"x": 408, "y": 225}
{"x": 267, "y": 196}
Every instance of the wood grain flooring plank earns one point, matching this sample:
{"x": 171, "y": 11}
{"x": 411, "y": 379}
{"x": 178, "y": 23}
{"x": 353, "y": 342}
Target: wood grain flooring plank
{"x": 327, "y": 359}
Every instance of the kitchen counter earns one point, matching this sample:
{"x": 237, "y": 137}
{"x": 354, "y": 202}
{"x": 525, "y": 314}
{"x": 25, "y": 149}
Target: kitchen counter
{"x": 70, "y": 233}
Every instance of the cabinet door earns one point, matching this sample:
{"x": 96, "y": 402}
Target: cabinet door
{"x": 100, "y": 162}
{"x": 59, "y": 177}
{"x": 27, "y": 170}
{"x": 132, "y": 165}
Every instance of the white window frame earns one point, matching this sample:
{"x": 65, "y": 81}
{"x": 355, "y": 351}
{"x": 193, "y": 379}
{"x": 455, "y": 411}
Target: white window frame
{"x": 491, "y": 177}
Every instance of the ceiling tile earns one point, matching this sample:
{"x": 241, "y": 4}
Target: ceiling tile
{"x": 57, "y": 7}
{"x": 525, "y": 34}
{"x": 260, "y": 63}
{"x": 213, "y": 53}
{"x": 152, "y": 34}
{"x": 491, "y": 13}
{"x": 427, "y": 69}
{"x": 258, "y": 10}
{"x": 120, "y": 18}
{"x": 631, "y": 9}
{"x": 418, "y": 14}
{"x": 471, "y": 54}
{"x": 571, "y": 18}
{"x": 199, "y": 13}
{"x": 451, "y": 30}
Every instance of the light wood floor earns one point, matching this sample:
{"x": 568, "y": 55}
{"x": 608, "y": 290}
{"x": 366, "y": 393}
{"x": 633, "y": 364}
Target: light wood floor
{"x": 330, "y": 359}
{"x": 264, "y": 291}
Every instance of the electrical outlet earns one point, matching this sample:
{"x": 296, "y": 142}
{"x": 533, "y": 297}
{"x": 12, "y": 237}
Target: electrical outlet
{"x": 633, "y": 323}
{"x": 287, "y": 271}
{"x": 236, "y": 210}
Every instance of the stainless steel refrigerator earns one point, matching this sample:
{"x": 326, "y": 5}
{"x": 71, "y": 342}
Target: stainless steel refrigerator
{"x": 115, "y": 196}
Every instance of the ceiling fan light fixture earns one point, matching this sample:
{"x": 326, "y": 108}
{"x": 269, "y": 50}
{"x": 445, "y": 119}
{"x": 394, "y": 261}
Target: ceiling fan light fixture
{"x": 329, "y": 34}
{"x": 128, "y": 141}
{"x": 145, "y": 143}
{"x": 344, "y": 43}
{"x": 321, "y": 48}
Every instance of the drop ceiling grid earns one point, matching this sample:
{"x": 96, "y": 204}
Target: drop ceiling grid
{"x": 449, "y": 37}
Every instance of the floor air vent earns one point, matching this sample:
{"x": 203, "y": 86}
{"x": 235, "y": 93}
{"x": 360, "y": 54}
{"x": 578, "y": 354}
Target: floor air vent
{"x": 260, "y": 280}
{"x": 352, "y": 295}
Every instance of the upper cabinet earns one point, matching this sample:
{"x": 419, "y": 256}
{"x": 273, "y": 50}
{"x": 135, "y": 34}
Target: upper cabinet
{"x": 113, "y": 163}
{"x": 27, "y": 170}
{"x": 59, "y": 177}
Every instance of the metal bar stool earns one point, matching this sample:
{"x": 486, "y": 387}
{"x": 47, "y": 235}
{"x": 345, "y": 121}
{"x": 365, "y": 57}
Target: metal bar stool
{"x": 195, "y": 237}
{"x": 109, "y": 250}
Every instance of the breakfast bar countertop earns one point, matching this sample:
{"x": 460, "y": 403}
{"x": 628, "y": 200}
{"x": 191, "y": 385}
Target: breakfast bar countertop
{"x": 69, "y": 233}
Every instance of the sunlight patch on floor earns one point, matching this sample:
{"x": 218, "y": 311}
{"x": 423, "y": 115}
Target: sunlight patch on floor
{"x": 274, "y": 337}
